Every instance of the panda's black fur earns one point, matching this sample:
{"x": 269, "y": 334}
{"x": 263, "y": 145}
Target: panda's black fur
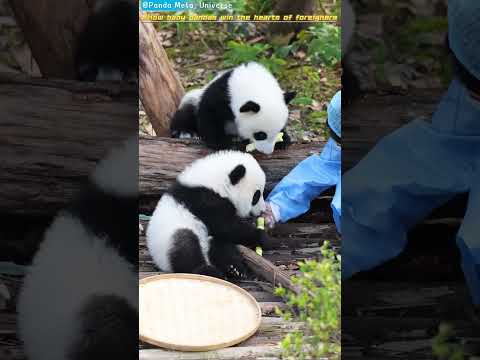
{"x": 109, "y": 43}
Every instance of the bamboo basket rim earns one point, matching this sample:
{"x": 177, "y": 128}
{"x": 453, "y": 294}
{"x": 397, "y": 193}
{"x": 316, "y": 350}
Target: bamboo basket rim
{"x": 143, "y": 282}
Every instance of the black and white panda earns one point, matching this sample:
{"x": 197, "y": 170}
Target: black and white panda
{"x": 79, "y": 299}
{"x": 246, "y": 101}
{"x": 197, "y": 222}
{"x": 107, "y": 49}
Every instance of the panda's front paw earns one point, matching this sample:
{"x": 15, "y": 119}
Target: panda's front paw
{"x": 283, "y": 145}
{"x": 237, "y": 271}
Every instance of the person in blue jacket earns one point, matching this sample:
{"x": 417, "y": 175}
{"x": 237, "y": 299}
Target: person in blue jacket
{"x": 292, "y": 196}
{"x": 421, "y": 166}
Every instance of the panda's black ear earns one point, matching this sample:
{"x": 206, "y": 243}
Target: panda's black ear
{"x": 250, "y": 106}
{"x": 289, "y": 96}
{"x": 237, "y": 174}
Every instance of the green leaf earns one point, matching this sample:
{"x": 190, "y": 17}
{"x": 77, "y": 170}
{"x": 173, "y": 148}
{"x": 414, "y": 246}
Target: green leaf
{"x": 302, "y": 101}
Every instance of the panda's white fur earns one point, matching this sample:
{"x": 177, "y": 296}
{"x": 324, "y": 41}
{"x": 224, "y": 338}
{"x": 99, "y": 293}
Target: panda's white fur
{"x": 253, "y": 82}
{"x": 168, "y": 217}
{"x": 72, "y": 265}
{"x": 110, "y": 174}
{"x": 211, "y": 172}
{"x": 192, "y": 97}
{"x": 68, "y": 269}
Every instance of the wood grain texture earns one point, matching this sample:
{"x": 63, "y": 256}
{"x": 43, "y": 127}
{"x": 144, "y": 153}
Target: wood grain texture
{"x": 52, "y": 133}
{"x": 51, "y": 28}
{"x": 265, "y": 269}
{"x": 233, "y": 353}
{"x": 160, "y": 87}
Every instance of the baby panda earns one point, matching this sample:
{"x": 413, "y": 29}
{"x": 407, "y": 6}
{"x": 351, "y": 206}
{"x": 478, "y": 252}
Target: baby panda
{"x": 197, "y": 222}
{"x": 79, "y": 299}
{"x": 107, "y": 48}
{"x": 245, "y": 102}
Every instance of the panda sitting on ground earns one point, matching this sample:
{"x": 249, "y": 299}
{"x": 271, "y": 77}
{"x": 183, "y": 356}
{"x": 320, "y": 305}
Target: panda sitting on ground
{"x": 79, "y": 299}
{"x": 246, "y": 101}
{"x": 196, "y": 224}
{"x": 107, "y": 49}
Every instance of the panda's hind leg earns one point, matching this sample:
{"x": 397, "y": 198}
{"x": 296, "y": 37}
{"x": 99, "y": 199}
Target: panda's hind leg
{"x": 184, "y": 123}
{"x": 226, "y": 257}
{"x": 186, "y": 253}
{"x": 108, "y": 326}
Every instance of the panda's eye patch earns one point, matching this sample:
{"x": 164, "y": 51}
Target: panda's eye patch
{"x": 256, "y": 197}
{"x": 259, "y": 136}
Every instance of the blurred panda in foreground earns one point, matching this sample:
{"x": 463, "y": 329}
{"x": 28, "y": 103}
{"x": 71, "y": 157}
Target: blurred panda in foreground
{"x": 79, "y": 299}
{"x": 108, "y": 47}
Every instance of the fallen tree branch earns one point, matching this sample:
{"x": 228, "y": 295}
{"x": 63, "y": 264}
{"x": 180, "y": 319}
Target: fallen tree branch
{"x": 160, "y": 87}
{"x": 265, "y": 269}
{"x": 52, "y": 42}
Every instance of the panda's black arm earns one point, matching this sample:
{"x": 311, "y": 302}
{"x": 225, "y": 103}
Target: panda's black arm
{"x": 236, "y": 232}
{"x": 218, "y": 214}
{"x": 224, "y": 225}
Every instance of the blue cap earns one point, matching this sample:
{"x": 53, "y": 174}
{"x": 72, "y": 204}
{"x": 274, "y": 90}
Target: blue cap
{"x": 334, "y": 111}
{"x": 464, "y": 33}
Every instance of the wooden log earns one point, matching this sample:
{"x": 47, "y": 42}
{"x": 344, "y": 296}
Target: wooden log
{"x": 232, "y": 353}
{"x": 288, "y": 7}
{"x": 271, "y": 331}
{"x": 51, "y": 28}
{"x": 265, "y": 269}
{"x": 162, "y": 159}
{"x": 51, "y": 135}
{"x": 160, "y": 87}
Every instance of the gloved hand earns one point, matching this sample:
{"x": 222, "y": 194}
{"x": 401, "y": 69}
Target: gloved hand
{"x": 270, "y": 214}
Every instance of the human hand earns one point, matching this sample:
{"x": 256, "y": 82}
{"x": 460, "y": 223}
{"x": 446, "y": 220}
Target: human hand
{"x": 269, "y": 216}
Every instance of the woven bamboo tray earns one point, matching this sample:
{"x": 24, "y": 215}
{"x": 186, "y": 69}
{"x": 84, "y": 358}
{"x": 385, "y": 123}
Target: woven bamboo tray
{"x": 189, "y": 312}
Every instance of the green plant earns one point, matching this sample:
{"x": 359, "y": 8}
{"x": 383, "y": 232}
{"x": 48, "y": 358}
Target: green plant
{"x": 442, "y": 346}
{"x": 240, "y": 52}
{"x": 322, "y": 43}
{"x": 318, "y": 306}
{"x": 259, "y": 7}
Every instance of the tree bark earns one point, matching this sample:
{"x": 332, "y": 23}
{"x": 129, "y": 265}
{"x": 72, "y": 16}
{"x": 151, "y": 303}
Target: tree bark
{"x": 265, "y": 269}
{"x": 160, "y": 87}
{"x": 162, "y": 159}
{"x": 51, "y": 135}
{"x": 51, "y": 28}
{"x": 288, "y": 7}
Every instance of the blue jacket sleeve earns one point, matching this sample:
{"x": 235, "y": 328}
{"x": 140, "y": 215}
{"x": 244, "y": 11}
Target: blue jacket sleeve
{"x": 306, "y": 181}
